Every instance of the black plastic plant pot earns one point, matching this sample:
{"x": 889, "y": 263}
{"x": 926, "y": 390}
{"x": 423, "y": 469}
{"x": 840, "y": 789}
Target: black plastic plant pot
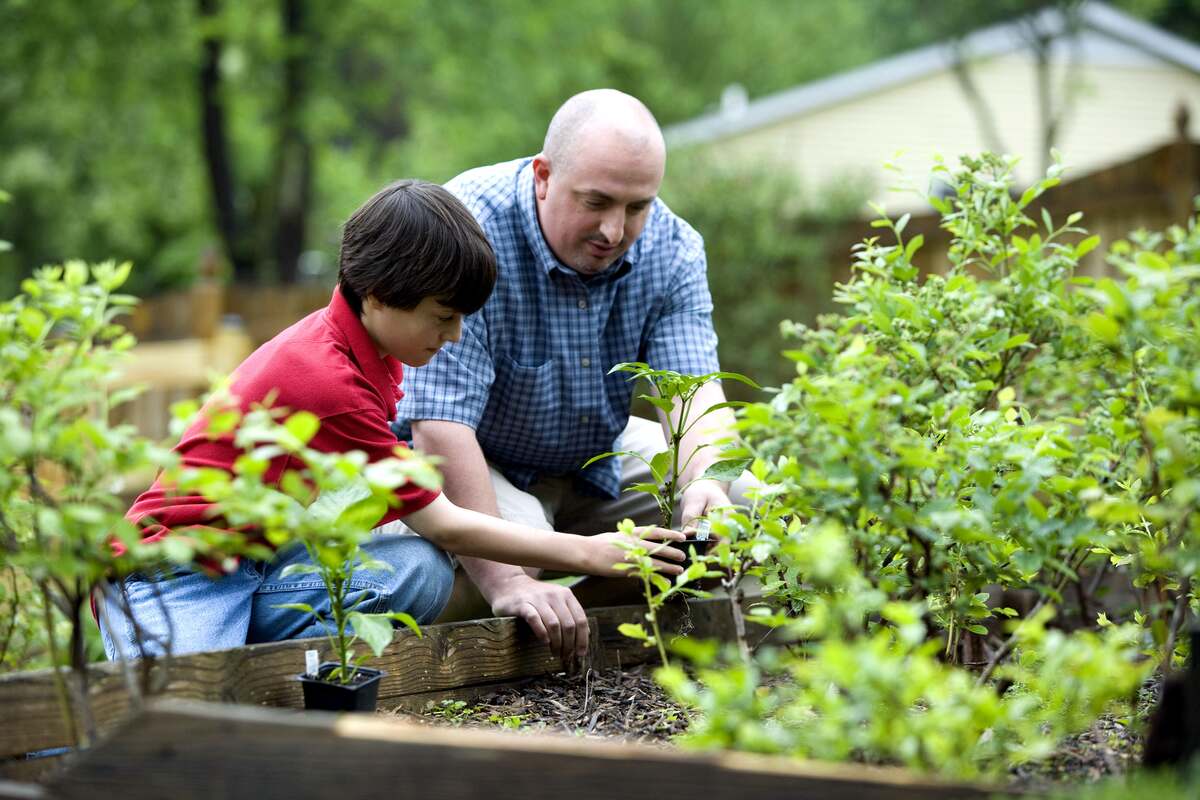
{"x": 361, "y": 694}
{"x": 701, "y": 546}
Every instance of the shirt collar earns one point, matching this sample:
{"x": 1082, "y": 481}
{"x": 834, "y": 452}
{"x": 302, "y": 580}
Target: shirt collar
{"x": 384, "y": 372}
{"x": 532, "y": 228}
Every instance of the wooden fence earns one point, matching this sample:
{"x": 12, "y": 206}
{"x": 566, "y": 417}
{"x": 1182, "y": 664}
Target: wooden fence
{"x": 188, "y": 339}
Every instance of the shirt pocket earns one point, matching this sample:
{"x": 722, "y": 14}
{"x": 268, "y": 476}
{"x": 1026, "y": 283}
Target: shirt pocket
{"x": 523, "y": 421}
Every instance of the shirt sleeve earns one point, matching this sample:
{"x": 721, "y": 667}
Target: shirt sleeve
{"x": 682, "y": 337}
{"x": 367, "y": 430}
{"x": 455, "y": 385}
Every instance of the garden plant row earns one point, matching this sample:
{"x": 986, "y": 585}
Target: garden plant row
{"x": 976, "y": 524}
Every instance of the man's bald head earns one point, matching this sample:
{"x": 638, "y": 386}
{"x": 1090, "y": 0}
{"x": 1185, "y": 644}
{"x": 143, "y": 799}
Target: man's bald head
{"x": 597, "y": 178}
{"x": 613, "y": 117}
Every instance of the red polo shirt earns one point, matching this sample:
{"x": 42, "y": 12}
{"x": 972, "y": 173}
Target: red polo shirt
{"x": 325, "y": 364}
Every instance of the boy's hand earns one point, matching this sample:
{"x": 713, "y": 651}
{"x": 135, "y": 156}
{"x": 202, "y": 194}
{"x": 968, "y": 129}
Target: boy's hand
{"x": 609, "y": 553}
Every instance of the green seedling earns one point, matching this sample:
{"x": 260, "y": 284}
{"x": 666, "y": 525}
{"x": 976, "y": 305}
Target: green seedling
{"x": 674, "y": 394}
{"x": 329, "y": 505}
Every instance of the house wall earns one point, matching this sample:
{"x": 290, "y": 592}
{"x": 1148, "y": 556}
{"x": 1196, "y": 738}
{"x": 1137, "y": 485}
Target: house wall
{"x": 1125, "y": 106}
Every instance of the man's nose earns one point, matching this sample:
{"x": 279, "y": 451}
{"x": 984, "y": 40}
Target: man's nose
{"x": 612, "y": 227}
{"x": 455, "y": 332}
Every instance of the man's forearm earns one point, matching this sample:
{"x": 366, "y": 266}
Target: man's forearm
{"x": 702, "y": 444}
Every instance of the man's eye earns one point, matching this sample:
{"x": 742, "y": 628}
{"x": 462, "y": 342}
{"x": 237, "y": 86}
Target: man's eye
{"x": 447, "y": 319}
{"x": 594, "y": 204}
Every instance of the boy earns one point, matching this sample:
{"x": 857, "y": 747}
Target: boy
{"x": 413, "y": 262}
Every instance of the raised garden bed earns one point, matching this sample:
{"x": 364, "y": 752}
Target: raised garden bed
{"x": 229, "y": 746}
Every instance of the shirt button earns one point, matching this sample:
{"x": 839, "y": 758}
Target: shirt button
{"x": 584, "y": 419}
{"x": 585, "y": 362}
{"x": 583, "y": 303}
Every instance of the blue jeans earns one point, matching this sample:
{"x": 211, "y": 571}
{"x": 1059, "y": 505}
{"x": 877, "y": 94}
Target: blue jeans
{"x": 196, "y": 613}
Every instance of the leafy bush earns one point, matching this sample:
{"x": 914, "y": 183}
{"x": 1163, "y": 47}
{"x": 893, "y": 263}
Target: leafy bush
{"x": 951, "y": 439}
{"x": 866, "y": 682}
{"x": 61, "y": 462}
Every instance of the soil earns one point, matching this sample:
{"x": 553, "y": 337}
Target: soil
{"x": 629, "y": 706}
{"x": 613, "y": 704}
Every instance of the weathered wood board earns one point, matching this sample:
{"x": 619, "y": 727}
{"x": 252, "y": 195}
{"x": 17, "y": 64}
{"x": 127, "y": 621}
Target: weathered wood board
{"x": 188, "y": 750}
{"x": 448, "y": 657}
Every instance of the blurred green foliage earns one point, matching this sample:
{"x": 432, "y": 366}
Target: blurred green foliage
{"x": 103, "y": 114}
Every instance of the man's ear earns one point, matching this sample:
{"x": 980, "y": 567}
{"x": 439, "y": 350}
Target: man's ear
{"x": 541, "y": 175}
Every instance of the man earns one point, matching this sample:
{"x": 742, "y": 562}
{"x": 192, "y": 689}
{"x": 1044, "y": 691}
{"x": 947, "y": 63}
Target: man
{"x": 594, "y": 270}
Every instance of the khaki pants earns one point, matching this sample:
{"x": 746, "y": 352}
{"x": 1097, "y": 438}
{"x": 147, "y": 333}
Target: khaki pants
{"x": 554, "y": 504}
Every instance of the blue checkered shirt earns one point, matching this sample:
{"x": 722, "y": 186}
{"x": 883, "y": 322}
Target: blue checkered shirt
{"x": 530, "y": 373}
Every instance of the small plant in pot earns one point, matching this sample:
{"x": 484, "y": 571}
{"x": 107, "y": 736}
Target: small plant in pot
{"x": 345, "y": 517}
{"x": 670, "y": 391}
{"x": 329, "y": 504}
{"x": 673, "y": 394}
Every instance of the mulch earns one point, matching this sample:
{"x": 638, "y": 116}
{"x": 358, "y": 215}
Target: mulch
{"x": 622, "y": 705}
{"x": 628, "y": 706}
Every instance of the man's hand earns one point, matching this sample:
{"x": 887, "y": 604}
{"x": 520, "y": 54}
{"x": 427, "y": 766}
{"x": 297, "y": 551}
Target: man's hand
{"x": 700, "y": 498}
{"x": 553, "y": 612}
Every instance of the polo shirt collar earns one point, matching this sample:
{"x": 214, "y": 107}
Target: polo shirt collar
{"x": 543, "y": 256}
{"x": 384, "y": 373}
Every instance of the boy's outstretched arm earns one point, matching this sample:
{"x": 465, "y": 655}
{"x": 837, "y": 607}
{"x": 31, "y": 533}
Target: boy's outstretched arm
{"x": 553, "y": 612}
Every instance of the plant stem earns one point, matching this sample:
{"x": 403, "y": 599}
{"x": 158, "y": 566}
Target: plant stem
{"x": 651, "y": 614}
{"x": 1181, "y": 598}
{"x": 60, "y": 686}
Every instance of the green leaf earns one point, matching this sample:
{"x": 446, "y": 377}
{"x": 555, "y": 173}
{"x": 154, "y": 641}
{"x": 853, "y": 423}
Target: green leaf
{"x": 365, "y": 514}
{"x": 1151, "y": 260}
{"x": 32, "y": 322}
{"x": 406, "y": 620}
{"x": 1102, "y": 327}
{"x": 1086, "y": 246}
{"x": 660, "y": 466}
{"x": 292, "y": 570}
{"x": 661, "y": 403}
{"x": 914, "y": 244}
{"x": 303, "y": 425}
{"x": 633, "y": 631}
{"x": 374, "y": 629}
{"x": 305, "y": 607}
{"x": 728, "y": 470}
{"x": 603, "y": 456}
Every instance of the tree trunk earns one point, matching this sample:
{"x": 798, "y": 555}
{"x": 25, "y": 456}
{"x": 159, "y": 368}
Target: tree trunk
{"x": 216, "y": 147}
{"x": 293, "y": 159}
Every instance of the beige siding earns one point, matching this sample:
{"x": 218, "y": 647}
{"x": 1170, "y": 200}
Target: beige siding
{"x": 1122, "y": 109}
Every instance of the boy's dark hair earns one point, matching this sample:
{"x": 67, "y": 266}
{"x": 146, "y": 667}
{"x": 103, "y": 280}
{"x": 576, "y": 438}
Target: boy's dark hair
{"x": 414, "y": 240}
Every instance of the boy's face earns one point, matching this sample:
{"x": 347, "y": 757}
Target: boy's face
{"x": 411, "y": 336}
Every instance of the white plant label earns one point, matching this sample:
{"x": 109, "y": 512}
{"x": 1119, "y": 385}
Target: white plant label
{"x": 311, "y": 663}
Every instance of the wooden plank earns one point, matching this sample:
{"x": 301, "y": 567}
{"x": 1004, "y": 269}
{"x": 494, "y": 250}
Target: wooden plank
{"x": 449, "y": 657}
{"x": 703, "y": 619}
{"x": 188, "y": 750}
